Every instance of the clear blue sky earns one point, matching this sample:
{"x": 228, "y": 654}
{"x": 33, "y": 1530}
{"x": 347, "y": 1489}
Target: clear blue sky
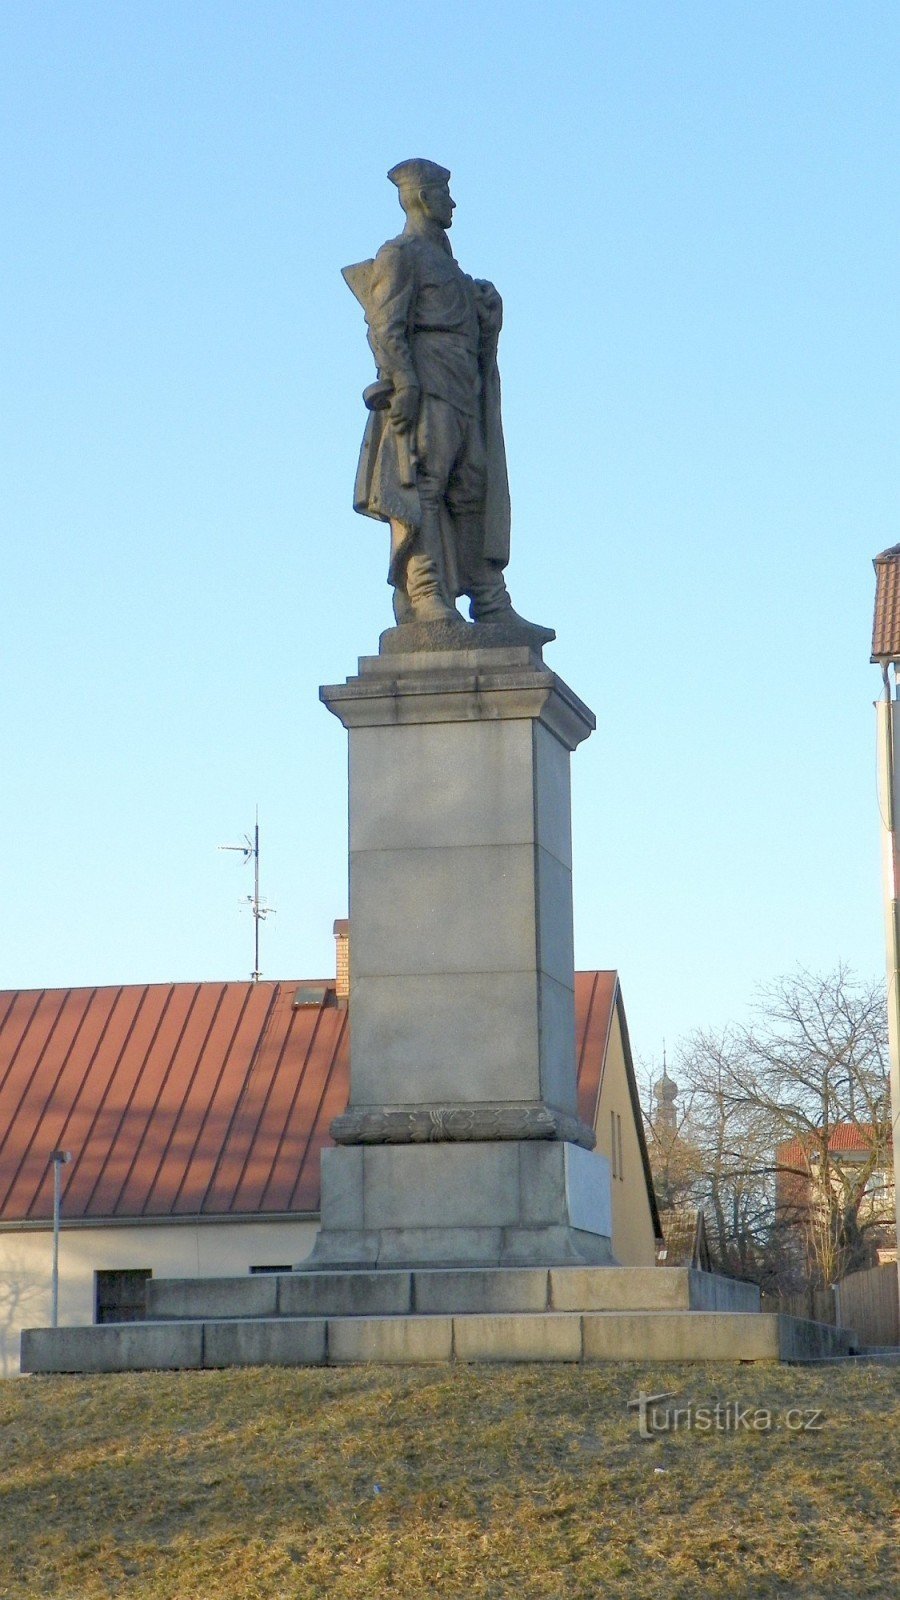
{"x": 691, "y": 212}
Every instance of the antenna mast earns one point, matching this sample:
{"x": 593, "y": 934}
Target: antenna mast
{"x": 250, "y": 852}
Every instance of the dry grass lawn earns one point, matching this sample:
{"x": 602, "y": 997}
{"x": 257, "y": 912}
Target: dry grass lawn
{"x": 460, "y": 1482}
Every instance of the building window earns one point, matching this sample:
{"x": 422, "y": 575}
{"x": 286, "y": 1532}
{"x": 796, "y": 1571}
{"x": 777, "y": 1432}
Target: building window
{"x": 121, "y": 1296}
{"x": 612, "y": 1141}
{"x": 271, "y": 1269}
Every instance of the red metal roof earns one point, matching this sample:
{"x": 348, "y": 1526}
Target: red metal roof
{"x": 595, "y": 1001}
{"x": 192, "y": 1099}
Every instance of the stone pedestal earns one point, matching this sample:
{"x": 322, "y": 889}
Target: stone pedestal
{"x": 461, "y": 1140}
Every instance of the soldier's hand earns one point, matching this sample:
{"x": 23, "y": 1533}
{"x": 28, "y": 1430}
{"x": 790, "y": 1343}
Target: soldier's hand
{"x": 404, "y": 409}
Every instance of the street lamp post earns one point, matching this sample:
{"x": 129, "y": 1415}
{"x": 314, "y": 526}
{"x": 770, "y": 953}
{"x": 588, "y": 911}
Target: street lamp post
{"x": 886, "y": 654}
{"x": 59, "y": 1159}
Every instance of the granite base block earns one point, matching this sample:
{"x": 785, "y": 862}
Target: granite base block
{"x": 114, "y": 1347}
{"x": 551, "y": 1337}
{"x": 393, "y": 1339}
{"x": 345, "y": 1294}
{"x": 181, "y": 1299}
{"x": 464, "y": 1290}
{"x": 265, "y": 1342}
{"x": 512, "y": 1202}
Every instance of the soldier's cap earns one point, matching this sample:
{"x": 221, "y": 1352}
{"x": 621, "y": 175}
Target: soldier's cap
{"x": 417, "y": 174}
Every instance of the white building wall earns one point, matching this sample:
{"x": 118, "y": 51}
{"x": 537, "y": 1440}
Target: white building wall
{"x": 183, "y": 1250}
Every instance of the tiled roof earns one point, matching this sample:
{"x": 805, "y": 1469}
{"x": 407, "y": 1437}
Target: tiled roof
{"x": 886, "y": 625}
{"x": 192, "y": 1099}
{"x": 843, "y": 1136}
{"x": 852, "y": 1136}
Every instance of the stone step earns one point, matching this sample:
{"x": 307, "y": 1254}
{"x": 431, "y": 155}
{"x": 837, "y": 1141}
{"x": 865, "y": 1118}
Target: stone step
{"x": 512, "y": 1336}
{"x": 448, "y": 1291}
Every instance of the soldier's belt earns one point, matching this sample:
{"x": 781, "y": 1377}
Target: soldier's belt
{"x": 430, "y": 327}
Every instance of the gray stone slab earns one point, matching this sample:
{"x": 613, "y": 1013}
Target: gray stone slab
{"x": 441, "y": 1185}
{"x": 563, "y": 1183}
{"x": 411, "y": 662}
{"x": 620, "y": 1288}
{"x": 680, "y": 1336}
{"x": 710, "y": 1292}
{"x": 452, "y": 635}
{"x": 800, "y": 1340}
{"x": 514, "y": 1246}
{"x": 337, "y": 1247}
{"x": 391, "y": 1339}
{"x": 345, "y": 1294}
{"x": 547, "y": 1337}
{"x": 648, "y": 1289}
{"x": 558, "y": 1068}
{"x": 555, "y": 941}
{"x": 114, "y": 1347}
{"x": 439, "y": 1246}
{"x": 444, "y": 1038}
{"x": 452, "y": 909}
{"x": 266, "y": 1342}
{"x": 456, "y": 783}
{"x": 461, "y": 695}
{"x": 457, "y": 696}
{"x": 180, "y": 1298}
{"x": 342, "y": 1187}
{"x": 553, "y": 795}
{"x": 554, "y": 1247}
{"x": 588, "y": 1190}
{"x": 542, "y": 1181}
{"x": 479, "y": 1290}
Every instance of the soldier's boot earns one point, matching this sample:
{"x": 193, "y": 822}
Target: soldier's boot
{"x": 403, "y": 611}
{"x": 424, "y": 591}
{"x": 489, "y": 602}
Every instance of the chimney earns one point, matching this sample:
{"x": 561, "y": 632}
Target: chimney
{"x": 342, "y": 960}
{"x": 886, "y": 626}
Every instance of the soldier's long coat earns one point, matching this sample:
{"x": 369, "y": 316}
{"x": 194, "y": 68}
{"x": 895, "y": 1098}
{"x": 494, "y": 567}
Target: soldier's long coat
{"x": 378, "y": 491}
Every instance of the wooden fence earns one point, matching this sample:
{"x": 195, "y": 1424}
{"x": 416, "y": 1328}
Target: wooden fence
{"x": 817, "y": 1304}
{"x": 868, "y": 1302}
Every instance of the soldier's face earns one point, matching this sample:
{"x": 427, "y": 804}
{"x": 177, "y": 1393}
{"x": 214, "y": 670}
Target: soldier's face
{"x": 437, "y": 203}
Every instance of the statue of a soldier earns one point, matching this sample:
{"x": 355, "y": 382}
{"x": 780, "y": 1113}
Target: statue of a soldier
{"x": 433, "y": 462}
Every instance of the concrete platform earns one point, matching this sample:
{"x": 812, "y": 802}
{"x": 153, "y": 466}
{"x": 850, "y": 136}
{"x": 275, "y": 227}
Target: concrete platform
{"x": 450, "y": 1291}
{"x": 578, "y": 1337}
{"x": 578, "y": 1314}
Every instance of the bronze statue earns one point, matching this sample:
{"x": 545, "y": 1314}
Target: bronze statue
{"x": 433, "y": 462}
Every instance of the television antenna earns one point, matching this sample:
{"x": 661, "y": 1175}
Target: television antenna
{"x": 250, "y": 852}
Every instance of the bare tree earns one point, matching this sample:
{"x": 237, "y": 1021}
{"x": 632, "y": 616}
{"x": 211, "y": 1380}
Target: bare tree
{"x": 816, "y": 1069}
{"x": 735, "y": 1150}
{"x": 714, "y": 1154}
{"x": 675, "y": 1160}
{"x": 786, "y": 1125}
